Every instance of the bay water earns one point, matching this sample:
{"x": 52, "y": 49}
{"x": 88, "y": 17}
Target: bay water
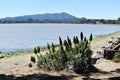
{"x": 27, "y": 36}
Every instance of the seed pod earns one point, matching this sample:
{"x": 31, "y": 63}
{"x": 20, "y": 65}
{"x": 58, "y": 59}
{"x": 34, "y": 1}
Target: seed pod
{"x": 77, "y": 40}
{"x": 74, "y": 40}
{"x": 53, "y": 47}
{"x": 48, "y": 46}
{"x": 60, "y": 41}
{"x": 45, "y": 60}
{"x": 33, "y": 59}
{"x": 81, "y": 36}
{"x": 38, "y": 49}
{"x": 66, "y": 45}
{"x": 85, "y": 39}
{"x": 69, "y": 41}
{"x": 35, "y": 50}
{"x": 86, "y": 44}
{"x": 91, "y": 37}
{"x": 62, "y": 48}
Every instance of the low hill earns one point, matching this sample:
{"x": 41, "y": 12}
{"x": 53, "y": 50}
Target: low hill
{"x": 62, "y": 17}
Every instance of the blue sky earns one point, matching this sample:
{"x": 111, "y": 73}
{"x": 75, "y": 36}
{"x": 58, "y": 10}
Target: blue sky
{"x": 106, "y": 9}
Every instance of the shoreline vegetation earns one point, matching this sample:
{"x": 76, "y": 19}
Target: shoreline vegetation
{"x": 18, "y": 64}
{"x": 64, "y": 23}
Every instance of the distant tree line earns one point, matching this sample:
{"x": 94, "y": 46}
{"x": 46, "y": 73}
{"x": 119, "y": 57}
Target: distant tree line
{"x": 119, "y": 19}
{"x": 35, "y": 21}
{"x": 80, "y": 21}
{"x": 98, "y": 21}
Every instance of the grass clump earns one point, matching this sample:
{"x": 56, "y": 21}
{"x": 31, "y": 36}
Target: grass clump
{"x": 74, "y": 55}
{"x": 33, "y": 59}
{"x": 116, "y": 57}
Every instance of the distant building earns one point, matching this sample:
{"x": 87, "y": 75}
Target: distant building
{"x": 99, "y": 22}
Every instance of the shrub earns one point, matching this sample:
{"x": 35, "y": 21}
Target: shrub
{"x": 116, "y": 57}
{"x": 76, "y": 54}
{"x": 30, "y": 65}
{"x": 33, "y": 59}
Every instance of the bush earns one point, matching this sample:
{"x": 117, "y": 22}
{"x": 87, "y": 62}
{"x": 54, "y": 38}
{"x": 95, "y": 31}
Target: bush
{"x": 76, "y": 54}
{"x": 33, "y": 59}
{"x": 116, "y": 57}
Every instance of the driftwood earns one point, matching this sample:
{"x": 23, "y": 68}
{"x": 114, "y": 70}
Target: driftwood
{"x": 116, "y": 47}
{"x": 109, "y": 52}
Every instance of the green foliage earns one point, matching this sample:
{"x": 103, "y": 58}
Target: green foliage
{"x": 69, "y": 42}
{"x": 91, "y": 37}
{"x": 33, "y": 59}
{"x": 81, "y": 36}
{"x": 35, "y": 50}
{"x": 38, "y": 49}
{"x": 60, "y": 41}
{"x": 53, "y": 47}
{"x": 116, "y": 57}
{"x": 76, "y": 54}
{"x": 77, "y": 40}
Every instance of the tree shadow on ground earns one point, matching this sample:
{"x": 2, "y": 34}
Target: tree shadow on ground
{"x": 103, "y": 73}
{"x": 95, "y": 72}
{"x": 116, "y": 70}
{"x": 36, "y": 77}
{"x": 114, "y": 78}
{"x": 111, "y": 78}
{"x": 41, "y": 76}
{"x": 90, "y": 71}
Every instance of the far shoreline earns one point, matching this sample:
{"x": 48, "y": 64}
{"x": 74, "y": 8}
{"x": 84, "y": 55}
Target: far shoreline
{"x": 60, "y": 23}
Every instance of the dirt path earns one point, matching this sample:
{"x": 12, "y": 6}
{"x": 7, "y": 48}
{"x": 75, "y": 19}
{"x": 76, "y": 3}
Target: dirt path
{"x": 16, "y": 65}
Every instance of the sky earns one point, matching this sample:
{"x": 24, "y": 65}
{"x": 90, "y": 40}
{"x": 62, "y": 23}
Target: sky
{"x": 95, "y": 9}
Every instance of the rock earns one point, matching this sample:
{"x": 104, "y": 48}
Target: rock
{"x": 16, "y": 63}
{"x": 101, "y": 60}
{"x": 109, "y": 41}
{"x": 70, "y": 67}
{"x": 1, "y": 57}
{"x": 30, "y": 65}
{"x": 99, "y": 54}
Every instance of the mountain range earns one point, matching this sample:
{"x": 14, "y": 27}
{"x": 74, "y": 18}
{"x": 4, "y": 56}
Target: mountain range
{"x": 62, "y": 17}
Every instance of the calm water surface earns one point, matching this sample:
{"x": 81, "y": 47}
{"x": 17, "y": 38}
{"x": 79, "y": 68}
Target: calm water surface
{"x": 27, "y": 36}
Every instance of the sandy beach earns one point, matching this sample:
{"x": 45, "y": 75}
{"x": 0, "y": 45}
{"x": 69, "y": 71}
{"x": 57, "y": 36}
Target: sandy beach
{"x": 17, "y": 66}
